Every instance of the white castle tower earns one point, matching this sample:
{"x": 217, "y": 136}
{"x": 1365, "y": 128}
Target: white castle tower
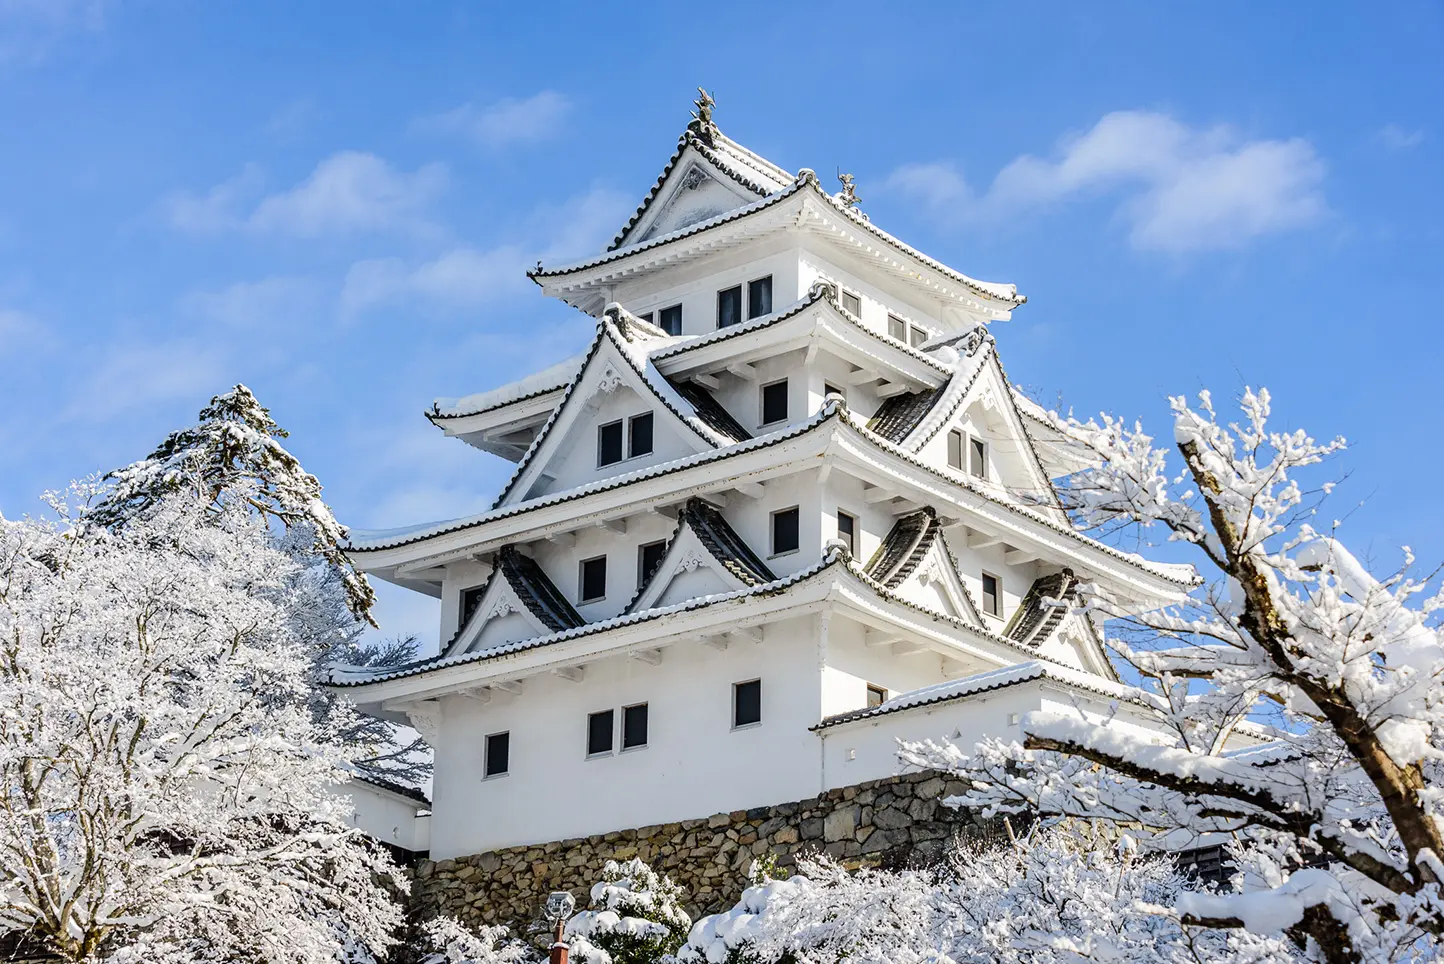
{"x": 784, "y": 510}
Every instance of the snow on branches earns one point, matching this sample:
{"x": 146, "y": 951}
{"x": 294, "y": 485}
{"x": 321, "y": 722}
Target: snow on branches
{"x": 635, "y": 917}
{"x": 1293, "y": 700}
{"x": 168, "y": 789}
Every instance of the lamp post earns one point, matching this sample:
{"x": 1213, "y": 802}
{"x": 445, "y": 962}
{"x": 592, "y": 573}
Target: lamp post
{"x": 559, "y": 907}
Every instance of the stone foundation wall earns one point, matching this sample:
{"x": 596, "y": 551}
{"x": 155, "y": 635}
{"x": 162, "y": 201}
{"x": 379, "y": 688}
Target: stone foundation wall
{"x": 892, "y": 822}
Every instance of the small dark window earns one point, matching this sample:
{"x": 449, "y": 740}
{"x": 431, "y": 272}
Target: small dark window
{"x": 639, "y": 435}
{"x": 648, "y": 318}
{"x": 847, "y": 530}
{"x": 498, "y": 754}
{"x": 599, "y": 732}
{"x": 609, "y": 443}
{"x": 594, "y": 578}
{"x": 729, "y": 306}
{"x": 955, "y": 449}
{"x": 634, "y": 726}
{"x": 649, "y": 557}
{"x": 980, "y": 457}
{"x": 670, "y": 320}
{"x": 832, "y": 390}
{"x": 747, "y": 703}
{"x": 759, "y": 297}
{"x": 784, "y": 531}
{"x": 774, "y": 402}
{"x": 992, "y": 602}
{"x": 851, "y": 303}
{"x": 897, "y": 328}
{"x": 916, "y": 336}
{"x": 470, "y": 599}
{"x": 876, "y": 695}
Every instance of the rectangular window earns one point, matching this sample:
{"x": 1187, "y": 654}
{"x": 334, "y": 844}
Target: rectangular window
{"x": 847, "y": 531}
{"x": 992, "y": 599}
{"x": 916, "y": 336}
{"x": 747, "y": 703}
{"x": 670, "y": 320}
{"x": 648, "y": 318}
{"x": 955, "y": 449}
{"x": 774, "y": 402}
{"x": 784, "y": 531}
{"x": 594, "y": 579}
{"x": 649, "y": 557}
{"x": 729, "y": 306}
{"x": 470, "y": 599}
{"x": 897, "y": 328}
{"x": 498, "y": 754}
{"x": 634, "y": 726}
{"x": 609, "y": 443}
{"x": 851, "y": 303}
{"x": 876, "y": 695}
{"x": 639, "y": 435}
{"x": 599, "y": 732}
{"x": 759, "y": 297}
{"x": 833, "y": 390}
{"x": 979, "y": 457}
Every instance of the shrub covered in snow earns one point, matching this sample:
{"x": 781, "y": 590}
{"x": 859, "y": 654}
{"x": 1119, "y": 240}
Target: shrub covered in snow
{"x": 445, "y": 941}
{"x": 634, "y": 917}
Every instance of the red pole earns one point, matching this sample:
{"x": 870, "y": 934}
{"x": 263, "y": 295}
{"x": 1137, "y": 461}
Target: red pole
{"x": 559, "y": 948}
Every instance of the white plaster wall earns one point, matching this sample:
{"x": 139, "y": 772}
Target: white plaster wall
{"x": 385, "y": 816}
{"x": 694, "y": 765}
{"x": 743, "y": 397}
{"x": 820, "y": 262}
{"x": 562, "y": 563}
{"x": 851, "y": 665}
{"x": 462, "y": 575}
{"x": 695, "y": 286}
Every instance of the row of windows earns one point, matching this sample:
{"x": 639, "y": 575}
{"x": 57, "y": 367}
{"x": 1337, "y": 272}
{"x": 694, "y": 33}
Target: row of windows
{"x": 638, "y": 437}
{"x": 729, "y": 307}
{"x": 897, "y": 327}
{"x": 968, "y": 453}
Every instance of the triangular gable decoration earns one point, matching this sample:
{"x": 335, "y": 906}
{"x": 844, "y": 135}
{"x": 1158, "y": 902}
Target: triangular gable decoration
{"x": 706, "y": 556}
{"x": 913, "y": 561}
{"x": 519, "y": 602}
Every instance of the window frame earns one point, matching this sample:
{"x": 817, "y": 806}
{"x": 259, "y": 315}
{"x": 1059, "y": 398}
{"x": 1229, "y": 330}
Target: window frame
{"x": 461, "y": 600}
{"x": 649, "y": 317}
{"x": 961, "y": 439}
{"x": 737, "y": 288}
{"x": 842, "y": 300}
{"x": 737, "y": 689}
{"x": 660, "y": 321}
{"x": 611, "y": 749}
{"x": 997, "y": 610}
{"x": 621, "y": 427}
{"x": 851, "y": 538}
{"x": 632, "y": 453}
{"x": 762, "y": 419}
{"x": 486, "y": 754}
{"x": 914, "y": 331}
{"x": 646, "y": 728}
{"x": 772, "y": 531}
{"x": 747, "y": 307}
{"x": 880, "y": 691}
{"x": 582, "y": 597}
{"x": 977, "y": 457}
{"x": 642, "y": 574}
{"x": 901, "y": 322}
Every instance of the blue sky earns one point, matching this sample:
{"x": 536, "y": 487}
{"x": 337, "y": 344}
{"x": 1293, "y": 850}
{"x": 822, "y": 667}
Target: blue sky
{"x": 335, "y": 204}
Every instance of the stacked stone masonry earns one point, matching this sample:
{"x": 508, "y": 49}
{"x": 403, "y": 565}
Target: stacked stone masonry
{"x": 893, "y": 822}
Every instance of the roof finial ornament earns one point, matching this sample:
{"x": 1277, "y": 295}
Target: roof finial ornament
{"x": 848, "y": 195}
{"x": 702, "y": 124}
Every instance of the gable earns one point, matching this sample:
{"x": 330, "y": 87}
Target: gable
{"x": 616, "y": 382}
{"x": 913, "y": 562}
{"x": 705, "y": 556}
{"x": 519, "y": 602}
{"x": 694, "y": 192}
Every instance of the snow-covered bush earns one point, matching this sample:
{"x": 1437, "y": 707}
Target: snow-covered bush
{"x": 1058, "y": 895}
{"x": 445, "y": 941}
{"x": 166, "y": 785}
{"x": 634, "y": 917}
{"x": 1295, "y": 641}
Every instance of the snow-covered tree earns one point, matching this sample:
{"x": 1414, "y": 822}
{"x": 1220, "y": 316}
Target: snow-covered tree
{"x": 167, "y": 789}
{"x": 445, "y": 941}
{"x": 635, "y": 917}
{"x": 1057, "y": 895}
{"x": 1339, "y": 669}
{"x": 234, "y": 455}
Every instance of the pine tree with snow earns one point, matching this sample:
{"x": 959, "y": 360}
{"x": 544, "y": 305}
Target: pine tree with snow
{"x": 170, "y": 795}
{"x": 635, "y": 917}
{"x": 234, "y": 454}
{"x": 1293, "y": 640}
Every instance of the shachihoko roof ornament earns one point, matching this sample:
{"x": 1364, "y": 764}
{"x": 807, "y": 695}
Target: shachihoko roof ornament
{"x": 847, "y": 197}
{"x": 702, "y": 124}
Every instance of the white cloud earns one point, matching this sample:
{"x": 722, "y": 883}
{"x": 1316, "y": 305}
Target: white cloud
{"x": 268, "y": 303}
{"x": 350, "y": 192}
{"x": 504, "y": 122}
{"x": 135, "y": 377}
{"x": 1397, "y": 138}
{"x": 293, "y": 119}
{"x": 1179, "y": 188}
{"x": 461, "y": 278}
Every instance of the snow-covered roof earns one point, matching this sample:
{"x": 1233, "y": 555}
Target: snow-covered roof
{"x": 1043, "y": 607}
{"x": 904, "y": 546}
{"x": 551, "y": 379}
{"x": 985, "y": 682}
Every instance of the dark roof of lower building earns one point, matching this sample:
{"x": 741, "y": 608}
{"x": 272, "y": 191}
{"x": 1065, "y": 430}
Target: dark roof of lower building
{"x": 711, "y": 411}
{"x": 1037, "y": 618}
{"x": 725, "y": 544}
{"x": 899, "y": 415}
{"x": 904, "y": 547}
{"x": 400, "y": 789}
{"x": 536, "y": 591}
